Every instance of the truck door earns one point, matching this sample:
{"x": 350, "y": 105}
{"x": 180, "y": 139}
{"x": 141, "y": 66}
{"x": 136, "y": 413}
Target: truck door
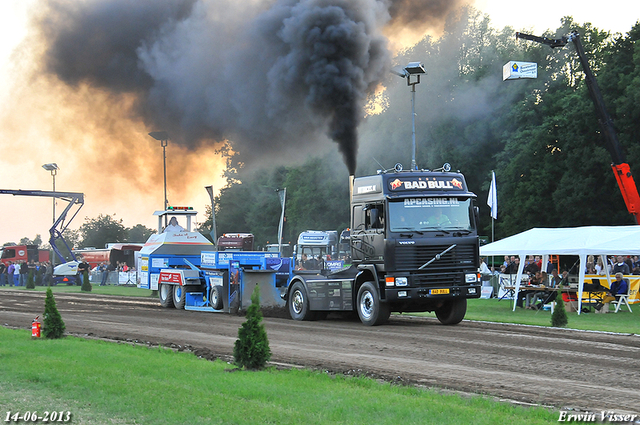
{"x": 367, "y": 238}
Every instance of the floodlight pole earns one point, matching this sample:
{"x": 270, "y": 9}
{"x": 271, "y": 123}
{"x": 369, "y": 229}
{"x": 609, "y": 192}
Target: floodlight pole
{"x": 53, "y": 174}
{"x": 163, "y": 138}
{"x": 413, "y": 68}
{"x": 283, "y": 197}
{"x": 163, "y": 143}
{"x": 213, "y": 233}
{"x": 414, "y": 166}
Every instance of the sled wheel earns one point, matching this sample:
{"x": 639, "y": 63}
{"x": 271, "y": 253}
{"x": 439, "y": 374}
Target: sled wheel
{"x": 165, "y": 292}
{"x": 179, "y": 296}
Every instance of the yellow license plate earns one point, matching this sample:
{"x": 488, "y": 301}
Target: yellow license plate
{"x": 439, "y": 291}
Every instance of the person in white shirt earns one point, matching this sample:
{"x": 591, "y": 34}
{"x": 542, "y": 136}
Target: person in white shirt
{"x": 173, "y": 226}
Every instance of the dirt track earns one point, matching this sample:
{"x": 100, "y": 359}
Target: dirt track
{"x": 556, "y": 367}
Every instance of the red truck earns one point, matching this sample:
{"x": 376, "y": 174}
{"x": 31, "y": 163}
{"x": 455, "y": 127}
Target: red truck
{"x": 24, "y": 253}
{"x": 113, "y": 254}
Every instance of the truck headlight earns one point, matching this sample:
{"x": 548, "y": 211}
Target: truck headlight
{"x": 471, "y": 278}
{"x": 401, "y": 281}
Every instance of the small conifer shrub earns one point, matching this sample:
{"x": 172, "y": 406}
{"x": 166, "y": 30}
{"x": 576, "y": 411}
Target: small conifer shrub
{"x": 86, "y": 284}
{"x": 559, "y": 317}
{"x": 251, "y": 350}
{"x": 31, "y": 283}
{"x": 53, "y": 326}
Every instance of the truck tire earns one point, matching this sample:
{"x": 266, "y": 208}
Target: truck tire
{"x": 298, "y": 303}
{"x": 215, "y": 297}
{"x": 179, "y": 296}
{"x": 452, "y": 311}
{"x": 165, "y": 293}
{"x": 371, "y": 311}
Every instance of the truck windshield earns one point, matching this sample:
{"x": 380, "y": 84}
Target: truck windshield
{"x": 420, "y": 214}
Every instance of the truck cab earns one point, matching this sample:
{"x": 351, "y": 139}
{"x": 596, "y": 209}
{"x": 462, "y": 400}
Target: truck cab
{"x": 314, "y": 247}
{"x": 417, "y": 229}
{"x": 414, "y": 248}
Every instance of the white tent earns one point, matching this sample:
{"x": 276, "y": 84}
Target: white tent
{"x": 581, "y": 241}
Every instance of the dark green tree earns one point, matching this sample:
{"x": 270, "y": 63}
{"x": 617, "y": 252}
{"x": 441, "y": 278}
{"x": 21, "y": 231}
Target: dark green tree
{"x": 86, "y": 284}
{"x": 53, "y": 325}
{"x": 559, "y": 316}
{"x": 100, "y": 231}
{"x": 251, "y": 350}
{"x": 139, "y": 233}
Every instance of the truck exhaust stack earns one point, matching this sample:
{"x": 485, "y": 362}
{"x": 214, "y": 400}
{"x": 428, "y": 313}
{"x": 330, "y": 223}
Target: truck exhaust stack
{"x": 351, "y": 179}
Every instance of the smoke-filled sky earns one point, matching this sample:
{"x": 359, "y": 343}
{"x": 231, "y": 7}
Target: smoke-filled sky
{"x": 83, "y": 82}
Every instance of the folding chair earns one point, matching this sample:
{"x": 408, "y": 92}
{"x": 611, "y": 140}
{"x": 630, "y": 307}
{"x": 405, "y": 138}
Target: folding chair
{"x": 623, "y": 298}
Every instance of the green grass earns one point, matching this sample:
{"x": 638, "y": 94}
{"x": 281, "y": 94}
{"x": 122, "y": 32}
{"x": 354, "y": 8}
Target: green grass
{"x": 100, "y": 383}
{"x": 494, "y": 310}
{"x": 129, "y": 291}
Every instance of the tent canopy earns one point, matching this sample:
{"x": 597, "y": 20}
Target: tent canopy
{"x": 590, "y": 240}
{"x": 581, "y": 241}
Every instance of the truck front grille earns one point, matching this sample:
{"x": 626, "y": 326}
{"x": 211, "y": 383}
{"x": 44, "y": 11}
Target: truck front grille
{"x": 460, "y": 258}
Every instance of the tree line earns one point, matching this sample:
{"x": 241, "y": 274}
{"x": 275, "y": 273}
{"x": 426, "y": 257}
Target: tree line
{"x": 540, "y": 136}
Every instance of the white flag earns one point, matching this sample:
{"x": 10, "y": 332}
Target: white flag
{"x": 492, "y": 200}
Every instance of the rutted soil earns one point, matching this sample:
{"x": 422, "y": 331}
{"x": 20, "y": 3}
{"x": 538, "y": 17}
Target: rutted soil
{"x": 555, "y": 367}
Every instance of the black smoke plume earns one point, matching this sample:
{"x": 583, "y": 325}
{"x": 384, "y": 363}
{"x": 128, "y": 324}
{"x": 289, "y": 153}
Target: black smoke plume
{"x": 269, "y": 76}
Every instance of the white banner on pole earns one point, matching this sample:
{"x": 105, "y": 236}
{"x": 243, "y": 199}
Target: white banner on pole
{"x": 492, "y": 200}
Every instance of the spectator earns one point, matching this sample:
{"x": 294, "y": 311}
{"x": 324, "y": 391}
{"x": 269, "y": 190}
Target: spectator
{"x": 3, "y": 276}
{"x": 40, "y": 268}
{"x": 48, "y": 274}
{"x": 531, "y": 267}
{"x": 591, "y": 266}
{"x": 16, "y": 274}
{"x": 83, "y": 267}
{"x": 619, "y": 286}
{"x": 513, "y": 266}
{"x": 635, "y": 263}
{"x": 24, "y": 272}
{"x": 484, "y": 269}
{"x": 105, "y": 274}
{"x": 621, "y": 266}
{"x": 599, "y": 267}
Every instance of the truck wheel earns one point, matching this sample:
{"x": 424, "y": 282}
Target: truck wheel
{"x": 165, "y": 293}
{"x": 371, "y": 311}
{"x": 452, "y": 312}
{"x": 215, "y": 297}
{"x": 298, "y": 303}
{"x": 179, "y": 296}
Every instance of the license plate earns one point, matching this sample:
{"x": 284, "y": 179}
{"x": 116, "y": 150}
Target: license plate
{"x": 439, "y": 291}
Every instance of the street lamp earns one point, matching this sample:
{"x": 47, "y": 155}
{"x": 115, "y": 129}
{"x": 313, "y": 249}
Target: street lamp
{"x": 163, "y": 137}
{"x": 213, "y": 233}
{"x": 282, "y": 193}
{"x": 53, "y": 167}
{"x": 413, "y": 68}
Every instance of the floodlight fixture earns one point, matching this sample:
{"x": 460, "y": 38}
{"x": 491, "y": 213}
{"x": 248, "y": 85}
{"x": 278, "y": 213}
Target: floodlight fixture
{"x": 415, "y": 68}
{"x": 53, "y": 167}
